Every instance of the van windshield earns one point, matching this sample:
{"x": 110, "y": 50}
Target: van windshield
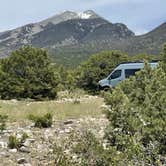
{"x": 115, "y": 74}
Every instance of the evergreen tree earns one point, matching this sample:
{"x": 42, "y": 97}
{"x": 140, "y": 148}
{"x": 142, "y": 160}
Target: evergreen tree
{"x": 137, "y": 118}
{"x": 28, "y": 73}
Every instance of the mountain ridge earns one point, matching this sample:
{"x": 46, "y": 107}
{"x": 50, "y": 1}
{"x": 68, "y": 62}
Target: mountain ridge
{"x": 76, "y": 34}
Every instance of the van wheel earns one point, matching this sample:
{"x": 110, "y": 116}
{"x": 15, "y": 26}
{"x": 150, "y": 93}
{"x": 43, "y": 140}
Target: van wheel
{"x": 106, "y": 88}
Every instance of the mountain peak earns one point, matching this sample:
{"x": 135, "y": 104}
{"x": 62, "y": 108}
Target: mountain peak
{"x": 89, "y": 14}
{"x": 70, "y": 15}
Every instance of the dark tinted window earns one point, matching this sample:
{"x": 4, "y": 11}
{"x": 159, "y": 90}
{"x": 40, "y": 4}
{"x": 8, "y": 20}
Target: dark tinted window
{"x": 116, "y": 74}
{"x": 130, "y": 72}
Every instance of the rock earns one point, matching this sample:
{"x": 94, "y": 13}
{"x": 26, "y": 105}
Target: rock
{"x": 26, "y": 143}
{"x": 51, "y": 150}
{"x": 22, "y": 161}
{"x": 67, "y": 131}
{"x": 7, "y": 131}
{"x": 31, "y": 140}
{"x": 24, "y": 149}
{"x": 27, "y": 164}
{"x": 3, "y": 144}
{"x": 19, "y": 136}
{"x": 4, "y": 154}
{"x": 68, "y": 122}
{"x": 61, "y": 131}
{"x": 13, "y": 150}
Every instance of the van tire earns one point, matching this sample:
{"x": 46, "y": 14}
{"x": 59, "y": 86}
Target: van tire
{"x": 105, "y": 88}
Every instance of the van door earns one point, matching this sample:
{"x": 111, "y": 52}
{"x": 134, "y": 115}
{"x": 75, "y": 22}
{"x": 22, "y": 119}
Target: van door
{"x": 115, "y": 78}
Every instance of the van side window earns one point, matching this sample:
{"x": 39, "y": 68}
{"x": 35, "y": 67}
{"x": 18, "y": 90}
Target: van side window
{"x": 116, "y": 74}
{"x": 130, "y": 72}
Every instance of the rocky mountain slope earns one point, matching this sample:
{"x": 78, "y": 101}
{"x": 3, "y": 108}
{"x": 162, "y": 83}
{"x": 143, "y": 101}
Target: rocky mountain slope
{"x": 64, "y": 29}
{"x": 71, "y": 36}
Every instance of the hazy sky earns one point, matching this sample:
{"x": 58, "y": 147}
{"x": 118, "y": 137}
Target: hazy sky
{"x": 139, "y": 15}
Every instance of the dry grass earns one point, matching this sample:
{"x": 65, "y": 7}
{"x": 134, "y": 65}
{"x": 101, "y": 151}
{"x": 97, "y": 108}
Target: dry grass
{"x": 19, "y": 110}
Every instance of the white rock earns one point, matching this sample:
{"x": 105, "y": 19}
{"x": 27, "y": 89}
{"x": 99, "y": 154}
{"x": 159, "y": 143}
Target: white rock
{"x": 24, "y": 149}
{"x": 61, "y": 131}
{"x": 3, "y": 144}
{"x": 4, "y": 154}
{"x": 67, "y": 131}
{"x": 19, "y": 136}
{"x": 26, "y": 143}
{"x": 13, "y": 150}
{"x": 27, "y": 164}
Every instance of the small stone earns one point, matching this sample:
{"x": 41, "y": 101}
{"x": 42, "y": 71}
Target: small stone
{"x": 13, "y": 150}
{"x": 51, "y": 150}
{"x": 19, "y": 136}
{"x": 24, "y": 149}
{"x": 7, "y": 131}
{"x": 27, "y": 164}
{"x": 22, "y": 161}
{"x": 68, "y": 122}
{"x": 3, "y": 144}
{"x": 26, "y": 144}
{"x": 31, "y": 140}
{"x": 4, "y": 154}
{"x": 67, "y": 131}
{"x": 61, "y": 132}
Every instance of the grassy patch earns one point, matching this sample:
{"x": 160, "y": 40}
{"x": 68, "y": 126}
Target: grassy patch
{"x": 19, "y": 110}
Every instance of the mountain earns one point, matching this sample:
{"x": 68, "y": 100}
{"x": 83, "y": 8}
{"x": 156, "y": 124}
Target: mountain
{"x": 72, "y": 37}
{"x": 150, "y": 43}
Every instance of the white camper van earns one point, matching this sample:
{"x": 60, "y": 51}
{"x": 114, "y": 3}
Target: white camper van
{"x": 121, "y": 72}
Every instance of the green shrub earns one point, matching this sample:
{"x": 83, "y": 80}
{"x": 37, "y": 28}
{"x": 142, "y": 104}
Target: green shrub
{"x": 3, "y": 119}
{"x": 24, "y": 137}
{"x": 85, "y": 150}
{"x": 42, "y": 121}
{"x": 61, "y": 159}
{"x": 90, "y": 151}
{"x": 137, "y": 117}
{"x": 28, "y": 73}
{"x": 15, "y": 143}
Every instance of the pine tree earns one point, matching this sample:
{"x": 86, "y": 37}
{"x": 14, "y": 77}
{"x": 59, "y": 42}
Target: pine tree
{"x": 27, "y": 73}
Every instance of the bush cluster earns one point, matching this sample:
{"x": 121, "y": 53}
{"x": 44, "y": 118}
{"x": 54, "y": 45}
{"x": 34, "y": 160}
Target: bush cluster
{"x": 85, "y": 150}
{"x": 137, "y": 117}
{"x": 28, "y": 73}
{"x": 15, "y": 143}
{"x": 42, "y": 121}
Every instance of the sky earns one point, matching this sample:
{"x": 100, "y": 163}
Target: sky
{"x": 140, "y": 16}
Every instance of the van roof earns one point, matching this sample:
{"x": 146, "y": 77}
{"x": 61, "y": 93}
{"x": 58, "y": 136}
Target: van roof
{"x": 139, "y": 61}
{"x": 134, "y": 65}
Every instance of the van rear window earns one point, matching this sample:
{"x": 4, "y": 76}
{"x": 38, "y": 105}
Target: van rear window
{"x": 130, "y": 72}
